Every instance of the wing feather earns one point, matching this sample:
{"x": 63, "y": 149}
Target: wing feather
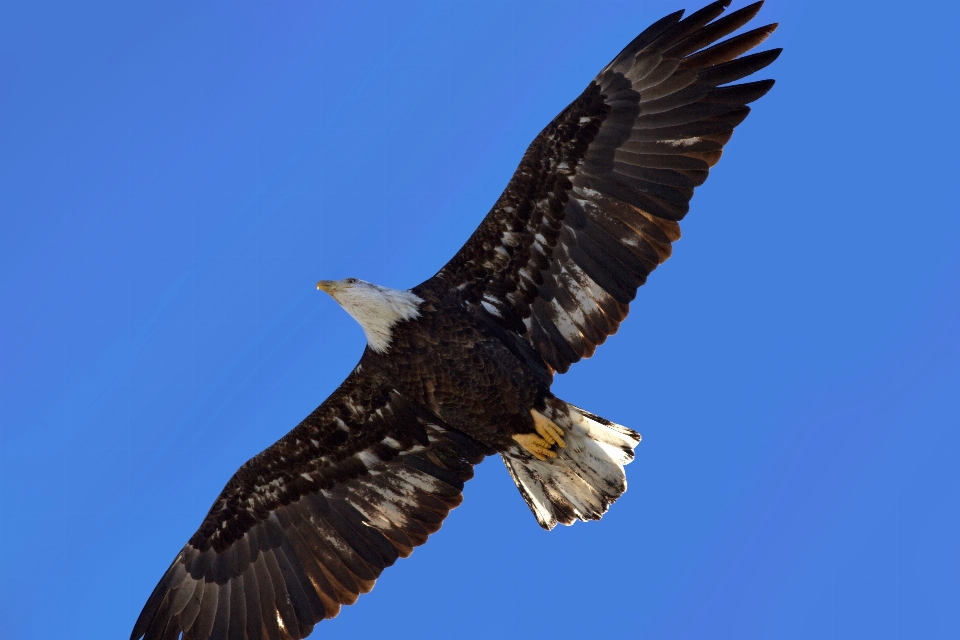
{"x": 310, "y": 523}
{"x": 593, "y": 207}
{"x": 253, "y": 608}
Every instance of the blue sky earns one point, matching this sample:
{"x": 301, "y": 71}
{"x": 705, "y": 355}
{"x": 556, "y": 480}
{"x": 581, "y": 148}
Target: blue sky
{"x": 175, "y": 177}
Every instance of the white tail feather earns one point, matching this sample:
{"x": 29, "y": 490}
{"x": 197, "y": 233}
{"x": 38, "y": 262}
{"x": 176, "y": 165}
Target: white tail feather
{"x": 585, "y": 478}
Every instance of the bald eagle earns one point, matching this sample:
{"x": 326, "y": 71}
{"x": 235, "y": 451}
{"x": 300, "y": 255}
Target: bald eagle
{"x": 460, "y": 366}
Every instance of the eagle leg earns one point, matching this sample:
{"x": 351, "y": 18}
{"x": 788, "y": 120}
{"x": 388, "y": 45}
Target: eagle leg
{"x": 540, "y": 444}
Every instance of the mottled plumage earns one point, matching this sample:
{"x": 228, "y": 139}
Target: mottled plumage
{"x": 460, "y": 367}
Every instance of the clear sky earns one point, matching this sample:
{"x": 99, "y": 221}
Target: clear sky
{"x": 175, "y": 177}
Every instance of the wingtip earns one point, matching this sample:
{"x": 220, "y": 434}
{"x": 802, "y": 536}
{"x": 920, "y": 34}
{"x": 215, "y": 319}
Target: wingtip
{"x": 713, "y": 6}
{"x": 750, "y": 11}
{"x": 722, "y": 4}
{"x": 762, "y": 33}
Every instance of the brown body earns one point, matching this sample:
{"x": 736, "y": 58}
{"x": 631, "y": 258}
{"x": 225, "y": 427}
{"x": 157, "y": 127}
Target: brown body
{"x": 477, "y": 379}
{"x": 311, "y": 522}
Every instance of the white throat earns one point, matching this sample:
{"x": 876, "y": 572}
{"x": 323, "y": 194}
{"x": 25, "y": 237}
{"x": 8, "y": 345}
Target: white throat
{"x": 378, "y": 309}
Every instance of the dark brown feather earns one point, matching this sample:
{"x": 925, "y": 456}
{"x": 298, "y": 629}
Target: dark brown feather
{"x": 252, "y": 592}
{"x": 739, "y": 68}
{"x": 722, "y": 27}
{"x": 311, "y": 522}
{"x": 203, "y": 624}
{"x": 278, "y": 544}
{"x": 728, "y": 49}
{"x": 238, "y": 611}
{"x": 643, "y": 134}
{"x": 691, "y": 24}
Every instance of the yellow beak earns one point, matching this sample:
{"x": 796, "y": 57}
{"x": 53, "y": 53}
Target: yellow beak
{"x": 328, "y": 286}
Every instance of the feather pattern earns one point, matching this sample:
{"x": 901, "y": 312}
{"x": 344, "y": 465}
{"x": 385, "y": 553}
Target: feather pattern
{"x": 594, "y": 205}
{"x": 310, "y": 523}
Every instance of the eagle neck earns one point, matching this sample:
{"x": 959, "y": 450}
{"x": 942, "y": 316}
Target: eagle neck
{"x": 378, "y": 310}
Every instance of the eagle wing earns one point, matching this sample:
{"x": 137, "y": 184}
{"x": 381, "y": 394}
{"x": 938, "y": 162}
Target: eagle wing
{"x": 594, "y": 205}
{"x": 311, "y": 522}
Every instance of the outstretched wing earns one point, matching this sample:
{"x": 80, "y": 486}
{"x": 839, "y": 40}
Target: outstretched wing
{"x": 310, "y": 523}
{"x": 594, "y": 205}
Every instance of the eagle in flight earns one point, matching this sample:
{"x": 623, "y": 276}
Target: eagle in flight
{"x": 460, "y": 366}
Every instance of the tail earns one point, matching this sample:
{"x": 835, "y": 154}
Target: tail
{"x": 585, "y": 478}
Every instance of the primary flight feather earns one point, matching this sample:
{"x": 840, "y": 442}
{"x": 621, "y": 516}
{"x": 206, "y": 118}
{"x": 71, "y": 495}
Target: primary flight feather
{"x": 460, "y": 366}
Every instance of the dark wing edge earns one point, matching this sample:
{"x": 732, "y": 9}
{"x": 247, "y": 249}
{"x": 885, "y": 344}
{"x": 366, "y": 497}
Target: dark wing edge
{"x": 594, "y": 206}
{"x": 310, "y": 523}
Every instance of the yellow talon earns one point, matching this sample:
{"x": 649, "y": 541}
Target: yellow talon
{"x": 547, "y": 429}
{"x": 540, "y": 444}
{"x": 536, "y": 445}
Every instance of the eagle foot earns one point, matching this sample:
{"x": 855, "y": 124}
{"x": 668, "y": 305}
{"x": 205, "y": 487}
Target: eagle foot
{"x": 535, "y": 445}
{"x": 547, "y": 429}
{"x": 540, "y": 444}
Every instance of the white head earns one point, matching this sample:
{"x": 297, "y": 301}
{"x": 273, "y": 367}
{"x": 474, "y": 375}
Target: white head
{"x": 376, "y": 308}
